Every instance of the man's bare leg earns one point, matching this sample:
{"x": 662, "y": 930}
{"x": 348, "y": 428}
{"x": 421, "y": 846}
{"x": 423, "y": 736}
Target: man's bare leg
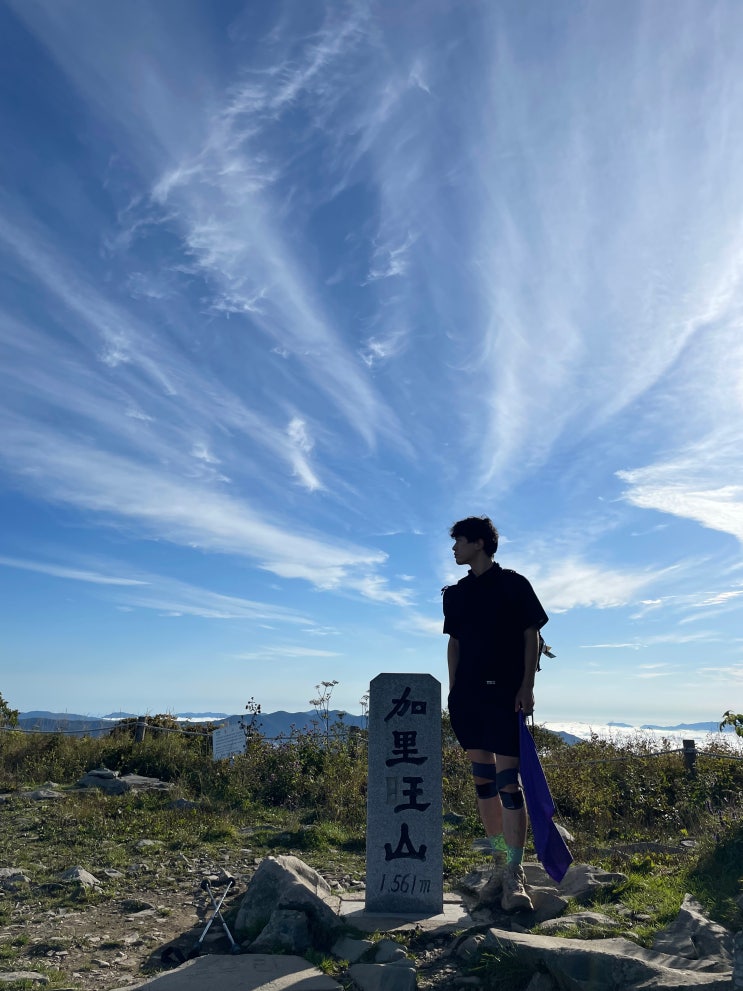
{"x": 514, "y": 820}
{"x": 514, "y": 896}
{"x": 490, "y": 809}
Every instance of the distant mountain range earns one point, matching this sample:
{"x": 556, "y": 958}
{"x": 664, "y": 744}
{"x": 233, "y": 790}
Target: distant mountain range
{"x": 694, "y": 727}
{"x": 270, "y": 724}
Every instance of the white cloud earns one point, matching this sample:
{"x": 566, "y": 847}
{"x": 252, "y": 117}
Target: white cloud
{"x": 378, "y": 349}
{"x": 167, "y": 596}
{"x": 418, "y": 623}
{"x": 302, "y": 445}
{"x": 192, "y": 514}
{"x": 571, "y": 582}
{"x": 278, "y": 651}
{"x": 694, "y": 487}
{"x": 74, "y": 574}
{"x": 611, "y": 646}
{"x": 390, "y": 260}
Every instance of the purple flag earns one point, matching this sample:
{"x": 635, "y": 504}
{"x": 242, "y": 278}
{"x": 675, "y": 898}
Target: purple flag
{"x": 551, "y": 848}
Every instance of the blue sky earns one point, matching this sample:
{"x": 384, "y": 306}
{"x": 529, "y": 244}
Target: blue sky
{"x": 287, "y": 288}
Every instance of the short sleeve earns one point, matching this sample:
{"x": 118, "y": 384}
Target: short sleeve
{"x": 451, "y": 617}
{"x": 528, "y": 608}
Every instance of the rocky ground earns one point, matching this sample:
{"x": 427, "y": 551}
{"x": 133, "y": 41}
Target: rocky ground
{"x": 103, "y": 943}
{"x": 96, "y": 912}
{"x": 78, "y": 922}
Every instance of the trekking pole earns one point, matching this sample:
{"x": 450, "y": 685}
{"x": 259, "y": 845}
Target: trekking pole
{"x": 196, "y": 948}
{"x": 206, "y": 886}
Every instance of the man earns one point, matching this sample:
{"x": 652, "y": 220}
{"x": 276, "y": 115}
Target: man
{"x": 493, "y": 618}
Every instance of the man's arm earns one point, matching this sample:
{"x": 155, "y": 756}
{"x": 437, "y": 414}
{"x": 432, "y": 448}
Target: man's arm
{"x": 452, "y": 658}
{"x": 525, "y": 694}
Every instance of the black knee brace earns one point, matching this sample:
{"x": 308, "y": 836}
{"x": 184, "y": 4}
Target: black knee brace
{"x": 512, "y": 800}
{"x": 489, "y": 789}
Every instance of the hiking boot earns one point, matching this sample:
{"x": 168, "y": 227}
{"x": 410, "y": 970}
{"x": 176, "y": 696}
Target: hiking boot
{"x": 515, "y": 898}
{"x": 498, "y": 859}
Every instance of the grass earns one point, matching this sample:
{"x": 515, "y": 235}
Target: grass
{"x": 500, "y": 970}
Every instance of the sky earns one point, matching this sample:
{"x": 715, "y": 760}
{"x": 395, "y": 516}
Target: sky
{"x": 286, "y": 289}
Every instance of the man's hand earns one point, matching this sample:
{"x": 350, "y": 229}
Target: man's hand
{"x": 525, "y": 699}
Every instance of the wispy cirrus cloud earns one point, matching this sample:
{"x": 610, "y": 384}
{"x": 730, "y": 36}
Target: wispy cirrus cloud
{"x": 151, "y": 400}
{"x": 700, "y": 484}
{"x": 185, "y": 511}
{"x": 74, "y": 574}
{"x": 165, "y": 595}
{"x": 573, "y": 582}
{"x": 302, "y": 443}
{"x": 285, "y": 650}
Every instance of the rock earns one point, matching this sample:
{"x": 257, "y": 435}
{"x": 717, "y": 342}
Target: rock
{"x": 541, "y": 982}
{"x": 695, "y": 937}
{"x": 548, "y": 905}
{"x": 42, "y": 795}
{"x": 468, "y": 947}
{"x": 8, "y": 977}
{"x": 383, "y": 977}
{"x": 287, "y": 883}
{"x": 388, "y": 951}
{"x": 83, "y": 877}
{"x": 112, "y": 784}
{"x": 350, "y": 949}
{"x": 13, "y": 879}
{"x": 454, "y": 819}
{"x": 565, "y": 833}
{"x": 287, "y": 931}
{"x": 582, "y": 921}
{"x": 249, "y": 972}
{"x": 583, "y": 881}
{"x": 604, "y": 964}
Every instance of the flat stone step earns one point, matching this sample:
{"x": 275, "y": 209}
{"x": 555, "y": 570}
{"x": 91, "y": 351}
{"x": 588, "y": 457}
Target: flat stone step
{"x": 244, "y": 972}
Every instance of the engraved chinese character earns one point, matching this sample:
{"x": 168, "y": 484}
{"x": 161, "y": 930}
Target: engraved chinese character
{"x": 401, "y": 706}
{"x": 405, "y": 747}
{"x": 405, "y": 849}
{"x": 411, "y": 793}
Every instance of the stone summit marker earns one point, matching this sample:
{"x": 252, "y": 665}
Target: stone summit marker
{"x": 404, "y": 850}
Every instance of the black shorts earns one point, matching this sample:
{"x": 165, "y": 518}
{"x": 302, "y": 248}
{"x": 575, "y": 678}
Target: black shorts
{"x": 481, "y": 722}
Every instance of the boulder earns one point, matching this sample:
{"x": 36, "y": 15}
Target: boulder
{"x": 604, "y": 964}
{"x": 584, "y": 922}
{"x": 286, "y": 883}
{"x": 43, "y": 795}
{"x": 81, "y": 876}
{"x": 287, "y": 931}
{"x": 583, "y": 882}
{"x": 13, "y": 879}
{"x": 695, "y": 937}
{"x": 347, "y": 948}
{"x": 248, "y": 972}
{"x": 112, "y": 784}
{"x": 383, "y": 976}
{"x": 13, "y": 976}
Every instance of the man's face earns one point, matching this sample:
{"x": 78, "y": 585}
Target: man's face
{"x": 465, "y": 550}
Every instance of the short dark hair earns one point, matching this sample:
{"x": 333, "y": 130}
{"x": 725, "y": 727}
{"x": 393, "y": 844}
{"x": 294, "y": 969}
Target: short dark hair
{"x": 477, "y": 528}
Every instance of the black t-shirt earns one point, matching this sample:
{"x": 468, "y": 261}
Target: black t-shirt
{"x": 487, "y": 614}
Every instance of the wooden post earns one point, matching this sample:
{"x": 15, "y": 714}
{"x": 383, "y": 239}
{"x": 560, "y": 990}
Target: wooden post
{"x": 140, "y": 729}
{"x": 690, "y": 757}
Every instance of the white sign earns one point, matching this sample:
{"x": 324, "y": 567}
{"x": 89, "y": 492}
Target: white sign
{"x": 228, "y": 740}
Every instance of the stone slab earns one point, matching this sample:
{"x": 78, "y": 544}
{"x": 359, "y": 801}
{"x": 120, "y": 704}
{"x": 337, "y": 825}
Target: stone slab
{"x": 404, "y": 837}
{"x": 453, "y": 917}
{"x": 247, "y": 972}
